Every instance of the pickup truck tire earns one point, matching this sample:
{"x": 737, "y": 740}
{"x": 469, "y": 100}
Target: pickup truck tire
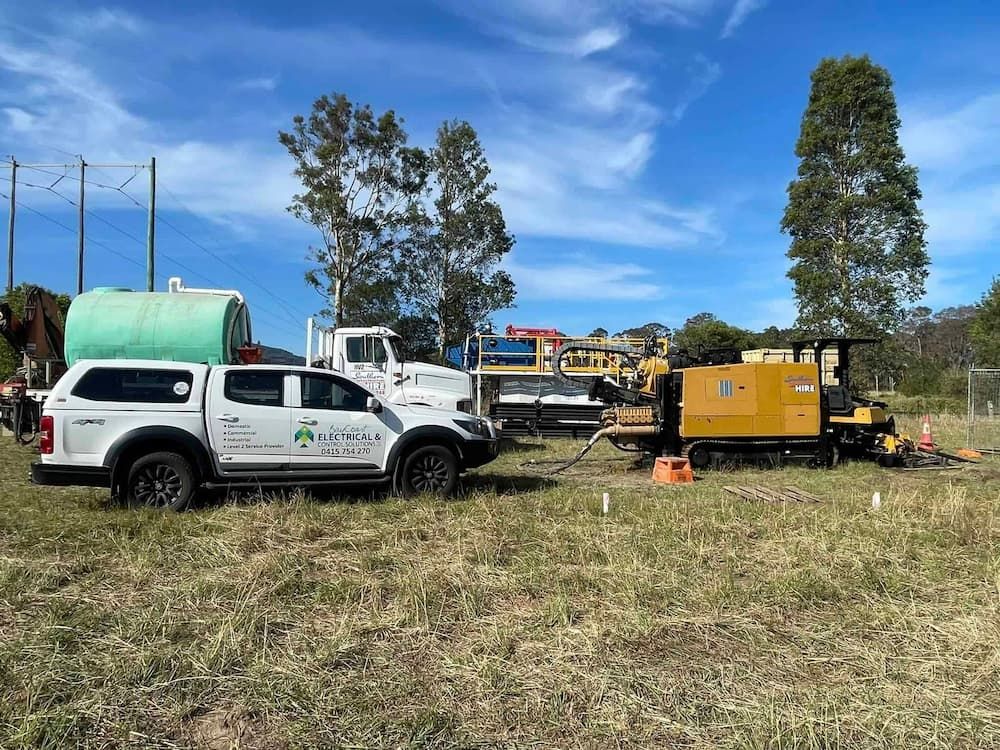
{"x": 164, "y": 481}
{"x": 431, "y": 470}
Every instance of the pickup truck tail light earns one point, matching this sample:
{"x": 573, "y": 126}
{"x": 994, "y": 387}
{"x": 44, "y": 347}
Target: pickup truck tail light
{"x": 46, "y": 435}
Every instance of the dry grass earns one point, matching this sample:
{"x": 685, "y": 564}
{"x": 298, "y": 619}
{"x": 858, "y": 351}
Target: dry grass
{"x": 515, "y": 616}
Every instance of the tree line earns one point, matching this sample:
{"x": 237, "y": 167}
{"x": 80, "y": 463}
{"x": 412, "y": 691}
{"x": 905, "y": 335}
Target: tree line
{"x": 929, "y": 353}
{"x": 414, "y": 237}
{"x": 408, "y": 237}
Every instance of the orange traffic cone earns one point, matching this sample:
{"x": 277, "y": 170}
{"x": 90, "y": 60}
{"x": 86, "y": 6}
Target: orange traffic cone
{"x": 926, "y": 439}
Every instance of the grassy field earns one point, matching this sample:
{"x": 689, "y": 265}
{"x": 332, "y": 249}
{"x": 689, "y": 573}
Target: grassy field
{"x": 516, "y": 615}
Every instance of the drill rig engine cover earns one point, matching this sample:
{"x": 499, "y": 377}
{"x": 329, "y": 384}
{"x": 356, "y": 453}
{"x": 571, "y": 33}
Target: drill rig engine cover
{"x": 713, "y": 406}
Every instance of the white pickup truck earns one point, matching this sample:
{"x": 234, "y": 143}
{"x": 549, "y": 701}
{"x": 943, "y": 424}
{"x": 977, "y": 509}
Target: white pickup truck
{"x": 373, "y": 356}
{"x": 155, "y": 432}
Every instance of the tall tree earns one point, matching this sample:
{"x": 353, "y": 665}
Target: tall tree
{"x": 985, "y": 329}
{"x": 858, "y": 247}
{"x": 705, "y": 331}
{"x": 773, "y": 337}
{"x": 359, "y": 184}
{"x": 655, "y": 330}
{"x": 451, "y": 272}
{"x": 916, "y": 329}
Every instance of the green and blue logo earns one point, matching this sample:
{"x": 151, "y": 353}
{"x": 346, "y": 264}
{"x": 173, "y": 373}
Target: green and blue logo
{"x": 304, "y": 436}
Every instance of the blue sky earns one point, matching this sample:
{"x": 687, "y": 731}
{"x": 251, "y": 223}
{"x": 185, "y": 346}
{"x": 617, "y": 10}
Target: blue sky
{"x": 641, "y": 147}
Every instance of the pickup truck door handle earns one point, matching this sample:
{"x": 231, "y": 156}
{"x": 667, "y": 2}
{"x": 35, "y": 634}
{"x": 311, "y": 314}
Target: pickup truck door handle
{"x": 228, "y": 418}
{"x": 307, "y": 420}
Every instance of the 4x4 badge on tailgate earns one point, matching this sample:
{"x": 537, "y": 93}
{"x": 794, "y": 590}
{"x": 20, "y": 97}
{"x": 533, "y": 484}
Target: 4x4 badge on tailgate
{"x": 88, "y": 421}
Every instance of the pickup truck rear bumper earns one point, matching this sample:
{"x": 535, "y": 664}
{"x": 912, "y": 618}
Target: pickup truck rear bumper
{"x": 61, "y": 475}
{"x": 478, "y": 452}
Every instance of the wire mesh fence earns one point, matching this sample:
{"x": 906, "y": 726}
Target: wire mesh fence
{"x": 984, "y": 410}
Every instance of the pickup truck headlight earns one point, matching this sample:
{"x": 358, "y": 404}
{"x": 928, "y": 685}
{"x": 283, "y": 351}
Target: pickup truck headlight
{"x": 477, "y": 426}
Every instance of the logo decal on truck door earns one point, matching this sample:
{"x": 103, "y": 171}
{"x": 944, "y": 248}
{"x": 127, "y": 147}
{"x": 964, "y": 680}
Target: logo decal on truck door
{"x": 304, "y": 436}
{"x": 370, "y": 377}
{"x": 351, "y": 440}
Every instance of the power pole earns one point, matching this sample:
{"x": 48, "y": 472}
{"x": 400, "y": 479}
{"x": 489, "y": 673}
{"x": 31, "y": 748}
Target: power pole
{"x": 10, "y": 225}
{"x": 151, "y": 229}
{"x": 79, "y": 260}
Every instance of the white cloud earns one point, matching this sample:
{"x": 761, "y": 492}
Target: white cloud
{"x": 579, "y": 278}
{"x": 741, "y": 9}
{"x": 776, "y": 311}
{"x": 75, "y": 110}
{"x": 958, "y": 139}
{"x": 585, "y": 43}
{"x": 957, "y": 285}
{"x": 18, "y": 120}
{"x": 610, "y": 96}
{"x": 569, "y": 140}
{"x": 103, "y": 20}
{"x": 263, "y": 83}
{"x": 703, "y": 73}
{"x": 578, "y": 130}
{"x": 576, "y": 27}
{"x": 958, "y": 159}
{"x": 961, "y": 220}
{"x": 597, "y": 40}
{"x": 578, "y": 181}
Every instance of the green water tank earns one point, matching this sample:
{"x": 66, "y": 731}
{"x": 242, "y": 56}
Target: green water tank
{"x": 111, "y": 323}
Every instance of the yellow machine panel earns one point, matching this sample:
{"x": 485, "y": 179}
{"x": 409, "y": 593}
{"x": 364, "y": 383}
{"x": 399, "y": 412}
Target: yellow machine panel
{"x": 766, "y": 400}
{"x": 863, "y": 415}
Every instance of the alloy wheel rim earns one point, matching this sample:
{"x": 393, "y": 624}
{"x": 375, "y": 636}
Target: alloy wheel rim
{"x": 429, "y": 474}
{"x": 158, "y": 486}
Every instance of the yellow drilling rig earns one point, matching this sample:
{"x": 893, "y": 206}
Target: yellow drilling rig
{"x": 713, "y": 406}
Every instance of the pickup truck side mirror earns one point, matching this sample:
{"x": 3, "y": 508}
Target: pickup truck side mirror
{"x": 373, "y": 405}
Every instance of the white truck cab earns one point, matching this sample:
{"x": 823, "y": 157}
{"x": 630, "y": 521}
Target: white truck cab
{"x": 155, "y": 431}
{"x": 373, "y": 356}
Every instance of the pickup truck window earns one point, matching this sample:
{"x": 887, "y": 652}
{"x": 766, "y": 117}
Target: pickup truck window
{"x": 135, "y": 386}
{"x": 255, "y": 387}
{"x": 365, "y": 349}
{"x": 325, "y": 392}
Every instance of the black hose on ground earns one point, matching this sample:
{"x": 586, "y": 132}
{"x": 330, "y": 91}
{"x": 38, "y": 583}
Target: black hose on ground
{"x": 565, "y": 465}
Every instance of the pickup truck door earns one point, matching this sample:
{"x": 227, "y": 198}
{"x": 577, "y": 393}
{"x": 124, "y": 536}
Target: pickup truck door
{"x": 249, "y": 420}
{"x": 367, "y": 362}
{"x": 332, "y": 428}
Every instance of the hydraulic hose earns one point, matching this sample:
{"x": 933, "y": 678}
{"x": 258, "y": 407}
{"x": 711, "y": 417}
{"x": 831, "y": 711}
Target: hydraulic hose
{"x": 588, "y": 347}
{"x": 614, "y": 430}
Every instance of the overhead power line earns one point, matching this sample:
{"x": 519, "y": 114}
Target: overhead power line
{"x": 285, "y": 310}
{"x": 296, "y": 316}
{"x": 222, "y": 260}
{"x": 279, "y": 323}
{"x": 21, "y": 204}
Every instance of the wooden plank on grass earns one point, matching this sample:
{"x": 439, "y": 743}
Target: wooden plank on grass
{"x": 761, "y": 494}
{"x": 740, "y": 492}
{"x": 802, "y": 496}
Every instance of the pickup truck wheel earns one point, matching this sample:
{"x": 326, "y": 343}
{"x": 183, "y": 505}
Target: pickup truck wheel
{"x": 163, "y": 481}
{"x": 432, "y": 470}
